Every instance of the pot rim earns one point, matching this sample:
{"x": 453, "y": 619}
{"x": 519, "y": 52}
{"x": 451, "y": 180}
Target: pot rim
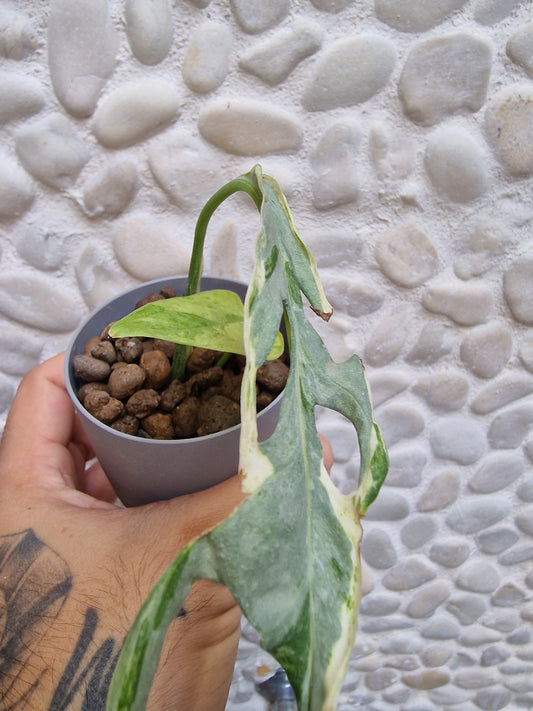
{"x": 69, "y": 375}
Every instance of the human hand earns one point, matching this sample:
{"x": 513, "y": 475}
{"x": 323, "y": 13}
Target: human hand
{"x": 75, "y": 568}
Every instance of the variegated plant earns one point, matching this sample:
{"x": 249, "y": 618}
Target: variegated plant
{"x": 300, "y": 591}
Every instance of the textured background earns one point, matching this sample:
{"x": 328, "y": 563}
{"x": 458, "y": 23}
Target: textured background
{"x": 402, "y": 134}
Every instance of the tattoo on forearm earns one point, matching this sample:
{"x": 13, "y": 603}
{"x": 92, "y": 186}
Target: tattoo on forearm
{"x": 34, "y": 584}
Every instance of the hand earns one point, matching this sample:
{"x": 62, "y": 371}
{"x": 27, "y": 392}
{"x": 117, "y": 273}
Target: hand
{"x": 75, "y": 568}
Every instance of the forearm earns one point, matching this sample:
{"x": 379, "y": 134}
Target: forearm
{"x": 60, "y": 635}
{"x": 53, "y": 653}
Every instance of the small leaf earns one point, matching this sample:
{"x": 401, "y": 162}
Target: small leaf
{"x": 210, "y": 319}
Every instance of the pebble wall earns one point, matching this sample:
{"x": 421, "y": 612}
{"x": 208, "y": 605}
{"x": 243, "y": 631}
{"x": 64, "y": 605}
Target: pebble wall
{"x": 402, "y": 134}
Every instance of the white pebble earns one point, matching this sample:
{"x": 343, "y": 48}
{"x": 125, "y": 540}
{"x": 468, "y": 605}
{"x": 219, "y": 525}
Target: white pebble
{"x": 341, "y": 435}
{"x": 207, "y": 58}
{"x": 524, "y": 520}
{"x": 411, "y": 573}
{"x": 489, "y": 12}
{"x": 434, "y": 341}
{"x": 378, "y": 550}
{"x": 274, "y": 59}
{"x": 407, "y": 16}
{"x": 355, "y": 298}
{"x": 52, "y": 151}
{"x": 147, "y": 250}
{"x": 379, "y": 604}
{"x": 442, "y": 491}
{"x": 393, "y": 154}
{"x": 406, "y": 255}
{"x": 387, "y": 338}
{"x": 456, "y": 164}
{"x": 349, "y": 72}
{"x": 487, "y": 241}
{"x": 418, "y": 531}
{"x": 486, "y": 350}
{"x": 149, "y": 29}
{"x": 467, "y": 608}
{"x": 525, "y": 491}
{"x": 407, "y": 464}
{"x": 526, "y": 352}
{"x": 185, "y": 168}
{"x": 510, "y": 429}
{"x": 82, "y": 48}
{"x": 476, "y": 678}
{"x": 517, "y": 289}
{"x": 247, "y": 127}
{"x": 441, "y": 626}
{"x": 22, "y": 96}
{"x": 97, "y": 279}
{"x": 17, "y": 36}
{"x": 458, "y": 438}
{"x": 498, "y": 470}
{"x": 334, "y": 248}
{"x": 398, "y": 422}
{"x": 17, "y": 190}
{"x": 508, "y": 120}
{"x": 331, "y": 5}
{"x": 334, "y": 163}
{"x": 520, "y": 48}
{"x": 508, "y": 595}
{"x": 478, "y": 576}
{"x": 503, "y": 621}
{"x": 502, "y": 392}
{"x": 478, "y": 513}
{"x": 386, "y": 385}
{"x": 459, "y": 68}
{"x": 20, "y": 351}
{"x": 449, "y": 552}
{"x": 257, "y": 16}
{"x": 466, "y": 304}
{"x": 449, "y": 695}
{"x": 446, "y": 391}
{"x": 426, "y": 601}
{"x": 135, "y": 111}
{"x": 36, "y": 301}
{"x": 111, "y": 189}
{"x": 42, "y": 247}
{"x": 496, "y": 540}
{"x": 517, "y": 554}
{"x": 389, "y": 506}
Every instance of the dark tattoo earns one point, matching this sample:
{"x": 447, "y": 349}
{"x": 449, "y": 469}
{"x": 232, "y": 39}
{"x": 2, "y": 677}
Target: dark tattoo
{"x": 34, "y": 585}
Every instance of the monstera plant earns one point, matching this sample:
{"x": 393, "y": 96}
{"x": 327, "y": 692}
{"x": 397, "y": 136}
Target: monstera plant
{"x": 304, "y": 550}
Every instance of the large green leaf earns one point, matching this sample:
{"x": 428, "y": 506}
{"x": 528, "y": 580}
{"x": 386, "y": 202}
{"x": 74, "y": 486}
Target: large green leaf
{"x": 290, "y": 552}
{"x": 210, "y": 319}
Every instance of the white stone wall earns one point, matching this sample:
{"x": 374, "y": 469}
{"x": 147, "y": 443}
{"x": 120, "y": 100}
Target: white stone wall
{"x": 402, "y": 133}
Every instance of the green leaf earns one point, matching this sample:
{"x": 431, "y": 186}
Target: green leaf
{"x": 210, "y": 319}
{"x": 290, "y": 552}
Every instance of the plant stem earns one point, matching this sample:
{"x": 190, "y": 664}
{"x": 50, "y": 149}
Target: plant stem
{"x": 221, "y": 362}
{"x": 244, "y": 183}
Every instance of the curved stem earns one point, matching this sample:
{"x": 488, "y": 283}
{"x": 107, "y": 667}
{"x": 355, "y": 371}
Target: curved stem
{"x": 244, "y": 183}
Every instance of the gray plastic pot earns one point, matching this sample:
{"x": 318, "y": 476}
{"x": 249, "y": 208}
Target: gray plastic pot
{"x": 143, "y": 470}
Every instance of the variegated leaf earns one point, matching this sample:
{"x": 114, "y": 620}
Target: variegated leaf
{"x": 290, "y": 552}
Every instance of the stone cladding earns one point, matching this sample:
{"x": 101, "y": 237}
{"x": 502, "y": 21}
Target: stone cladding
{"x": 402, "y": 134}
